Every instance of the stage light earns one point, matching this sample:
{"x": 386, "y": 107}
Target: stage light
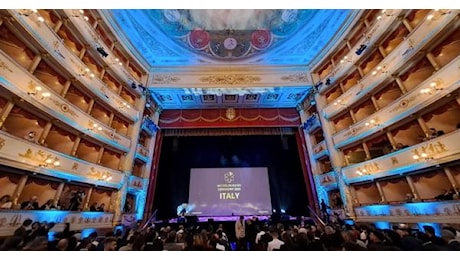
{"x": 133, "y": 85}
{"x": 361, "y": 48}
{"x": 102, "y": 52}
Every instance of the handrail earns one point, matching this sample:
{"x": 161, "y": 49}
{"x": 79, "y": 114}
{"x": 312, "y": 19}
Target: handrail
{"x": 316, "y": 216}
{"x": 151, "y": 219}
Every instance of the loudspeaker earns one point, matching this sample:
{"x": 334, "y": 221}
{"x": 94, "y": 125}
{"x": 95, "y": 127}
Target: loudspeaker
{"x": 191, "y": 219}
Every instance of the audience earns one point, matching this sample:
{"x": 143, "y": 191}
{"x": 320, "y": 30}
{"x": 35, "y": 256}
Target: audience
{"x": 275, "y": 236}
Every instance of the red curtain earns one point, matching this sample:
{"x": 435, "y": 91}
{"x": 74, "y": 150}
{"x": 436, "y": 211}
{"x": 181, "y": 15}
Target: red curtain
{"x": 220, "y": 118}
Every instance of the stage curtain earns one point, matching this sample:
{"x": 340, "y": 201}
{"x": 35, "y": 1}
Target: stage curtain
{"x": 218, "y": 118}
{"x": 229, "y": 131}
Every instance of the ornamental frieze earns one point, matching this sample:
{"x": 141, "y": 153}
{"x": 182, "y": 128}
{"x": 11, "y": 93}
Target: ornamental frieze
{"x": 164, "y": 79}
{"x": 300, "y": 77}
{"x": 230, "y": 79}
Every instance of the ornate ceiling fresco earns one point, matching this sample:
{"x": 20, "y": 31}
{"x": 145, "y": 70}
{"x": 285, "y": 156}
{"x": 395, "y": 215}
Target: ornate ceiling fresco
{"x": 191, "y": 46}
{"x": 171, "y": 37}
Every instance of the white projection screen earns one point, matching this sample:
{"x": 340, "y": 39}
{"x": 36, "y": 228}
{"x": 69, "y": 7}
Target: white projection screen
{"x": 229, "y": 191}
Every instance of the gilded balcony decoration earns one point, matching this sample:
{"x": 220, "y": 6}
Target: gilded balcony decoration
{"x": 143, "y": 152}
{"x": 136, "y": 183}
{"x": 13, "y": 219}
{"x": 434, "y": 88}
{"x": 436, "y": 212}
{"x": 164, "y": 79}
{"x": 320, "y": 150}
{"x": 49, "y": 162}
{"x": 150, "y": 126}
{"x": 426, "y": 154}
{"x": 312, "y": 123}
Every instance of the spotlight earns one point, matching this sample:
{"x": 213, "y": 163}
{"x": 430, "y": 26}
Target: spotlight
{"x": 361, "y": 48}
{"x": 133, "y": 85}
{"x": 102, "y": 52}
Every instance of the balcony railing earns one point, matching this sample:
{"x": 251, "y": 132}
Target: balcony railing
{"x": 435, "y": 212}
{"x": 312, "y": 123}
{"x": 15, "y": 151}
{"x": 149, "y": 126}
{"x": 12, "y": 219}
{"x": 142, "y": 152}
{"x": 136, "y": 183}
{"x": 320, "y": 150}
{"x": 327, "y": 180}
{"x": 439, "y": 150}
{"x": 441, "y": 84}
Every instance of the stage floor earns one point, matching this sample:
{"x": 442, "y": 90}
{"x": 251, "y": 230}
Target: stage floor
{"x": 202, "y": 219}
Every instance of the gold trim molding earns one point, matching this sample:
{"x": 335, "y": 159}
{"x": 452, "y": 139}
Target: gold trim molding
{"x": 230, "y": 79}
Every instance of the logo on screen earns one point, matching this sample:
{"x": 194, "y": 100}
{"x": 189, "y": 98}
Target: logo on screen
{"x": 229, "y": 177}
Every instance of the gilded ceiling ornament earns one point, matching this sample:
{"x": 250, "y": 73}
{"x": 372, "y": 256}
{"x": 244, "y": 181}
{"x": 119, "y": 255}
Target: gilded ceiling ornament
{"x": 4, "y": 66}
{"x": 164, "y": 79}
{"x": 2, "y": 143}
{"x": 300, "y": 77}
{"x": 230, "y": 79}
{"x": 230, "y": 113}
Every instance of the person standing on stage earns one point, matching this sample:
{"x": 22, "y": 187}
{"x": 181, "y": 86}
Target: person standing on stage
{"x": 240, "y": 234}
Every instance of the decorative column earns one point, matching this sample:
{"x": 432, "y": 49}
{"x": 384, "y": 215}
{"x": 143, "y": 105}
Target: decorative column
{"x": 382, "y": 195}
{"x": 412, "y": 187}
{"x": 118, "y": 198}
{"x": 336, "y": 157}
{"x": 17, "y": 192}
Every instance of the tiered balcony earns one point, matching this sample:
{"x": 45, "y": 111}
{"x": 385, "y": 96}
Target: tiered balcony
{"x": 392, "y": 63}
{"x": 53, "y": 44}
{"x": 370, "y": 37}
{"x": 430, "y": 153}
{"x": 21, "y": 153}
{"x": 428, "y": 92}
{"x": 91, "y": 36}
{"x": 23, "y": 84}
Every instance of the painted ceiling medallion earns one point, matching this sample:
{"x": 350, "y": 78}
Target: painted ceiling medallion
{"x": 261, "y": 39}
{"x": 199, "y": 39}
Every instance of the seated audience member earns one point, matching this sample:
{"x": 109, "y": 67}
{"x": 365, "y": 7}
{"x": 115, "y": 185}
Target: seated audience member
{"x": 30, "y": 204}
{"x": 432, "y": 133}
{"x": 6, "y": 202}
{"x": 101, "y": 207}
{"x": 50, "y": 204}
{"x": 93, "y": 207}
{"x": 399, "y": 146}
